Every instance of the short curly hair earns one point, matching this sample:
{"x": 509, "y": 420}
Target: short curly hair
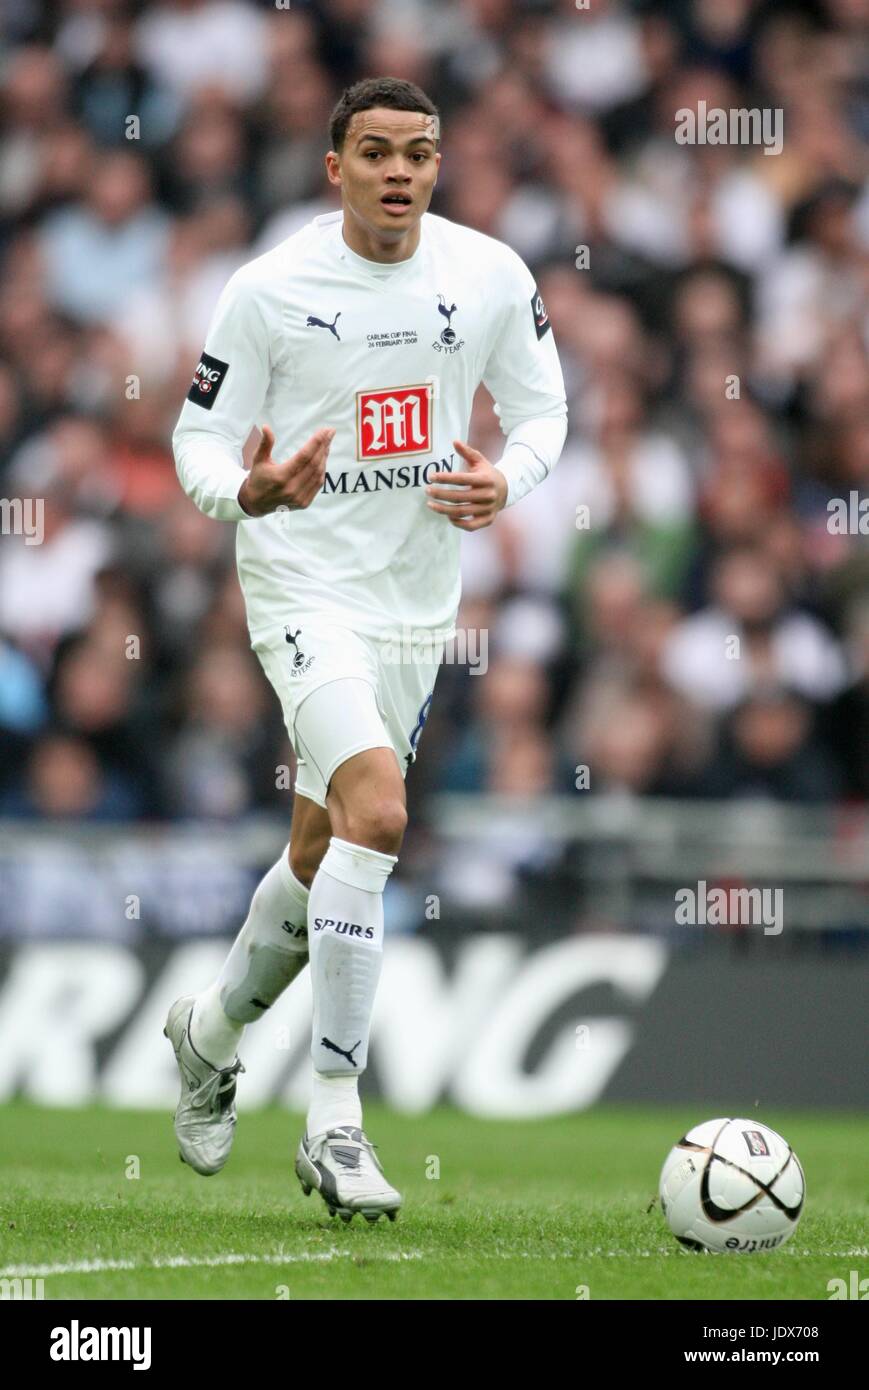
{"x": 392, "y": 92}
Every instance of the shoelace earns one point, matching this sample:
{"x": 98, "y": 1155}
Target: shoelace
{"x": 363, "y": 1144}
{"x": 212, "y": 1086}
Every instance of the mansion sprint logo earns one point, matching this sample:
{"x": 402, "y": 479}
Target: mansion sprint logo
{"x": 368, "y": 480}
{"x": 405, "y": 475}
{"x": 394, "y": 422}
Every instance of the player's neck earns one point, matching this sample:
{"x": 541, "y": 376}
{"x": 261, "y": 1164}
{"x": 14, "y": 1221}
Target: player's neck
{"x": 371, "y": 248}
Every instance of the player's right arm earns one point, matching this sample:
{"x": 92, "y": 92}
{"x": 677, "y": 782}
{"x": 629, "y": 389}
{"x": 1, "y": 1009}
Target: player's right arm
{"x": 221, "y": 408}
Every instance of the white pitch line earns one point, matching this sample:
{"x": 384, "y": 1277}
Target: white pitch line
{"x": 386, "y": 1256}
{"x": 202, "y": 1261}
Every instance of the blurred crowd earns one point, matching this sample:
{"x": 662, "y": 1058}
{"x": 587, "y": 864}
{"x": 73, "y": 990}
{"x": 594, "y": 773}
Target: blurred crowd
{"x": 672, "y": 611}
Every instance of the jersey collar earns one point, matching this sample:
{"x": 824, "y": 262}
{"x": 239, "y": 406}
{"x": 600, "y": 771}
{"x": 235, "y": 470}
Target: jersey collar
{"x": 374, "y": 271}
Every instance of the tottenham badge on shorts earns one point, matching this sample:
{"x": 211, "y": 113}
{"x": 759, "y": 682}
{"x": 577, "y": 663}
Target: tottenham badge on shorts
{"x": 539, "y": 314}
{"x": 207, "y": 381}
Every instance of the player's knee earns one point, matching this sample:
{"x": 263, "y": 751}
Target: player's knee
{"x": 379, "y": 825}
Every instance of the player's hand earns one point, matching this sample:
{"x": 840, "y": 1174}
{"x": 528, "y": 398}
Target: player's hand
{"x": 483, "y": 491}
{"x": 293, "y": 484}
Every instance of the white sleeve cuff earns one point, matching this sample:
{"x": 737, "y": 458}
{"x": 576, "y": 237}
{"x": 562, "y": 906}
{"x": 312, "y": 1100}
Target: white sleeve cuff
{"x": 211, "y": 477}
{"x": 530, "y": 454}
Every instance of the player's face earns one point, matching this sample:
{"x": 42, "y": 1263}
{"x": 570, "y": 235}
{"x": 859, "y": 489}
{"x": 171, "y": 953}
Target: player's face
{"x": 387, "y": 170}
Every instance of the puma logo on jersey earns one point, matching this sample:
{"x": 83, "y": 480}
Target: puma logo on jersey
{"x": 314, "y": 322}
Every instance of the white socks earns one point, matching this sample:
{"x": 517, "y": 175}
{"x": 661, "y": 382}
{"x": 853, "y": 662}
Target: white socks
{"x": 345, "y": 940}
{"x": 341, "y": 923}
{"x": 334, "y": 1101}
{"x": 267, "y": 955}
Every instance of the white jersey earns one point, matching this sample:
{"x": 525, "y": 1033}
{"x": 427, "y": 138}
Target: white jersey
{"x": 312, "y": 335}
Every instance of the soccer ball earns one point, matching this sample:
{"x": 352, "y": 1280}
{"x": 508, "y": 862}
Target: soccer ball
{"x": 732, "y": 1185}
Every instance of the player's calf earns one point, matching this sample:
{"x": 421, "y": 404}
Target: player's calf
{"x": 205, "y": 1031}
{"x": 345, "y": 927}
{"x": 345, "y": 937}
{"x": 309, "y": 839}
{"x": 266, "y": 956}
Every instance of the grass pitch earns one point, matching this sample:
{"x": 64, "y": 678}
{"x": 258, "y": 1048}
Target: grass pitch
{"x": 519, "y": 1211}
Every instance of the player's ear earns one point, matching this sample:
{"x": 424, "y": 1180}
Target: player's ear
{"x": 333, "y": 167}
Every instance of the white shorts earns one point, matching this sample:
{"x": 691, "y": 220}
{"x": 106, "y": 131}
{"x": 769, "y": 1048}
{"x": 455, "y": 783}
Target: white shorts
{"x": 342, "y": 692}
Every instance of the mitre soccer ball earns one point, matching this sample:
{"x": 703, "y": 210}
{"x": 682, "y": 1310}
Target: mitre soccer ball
{"x": 732, "y": 1185}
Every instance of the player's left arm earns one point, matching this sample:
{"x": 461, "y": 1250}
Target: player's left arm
{"x": 524, "y": 376}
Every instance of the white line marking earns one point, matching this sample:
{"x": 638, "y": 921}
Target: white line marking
{"x": 203, "y": 1261}
{"x": 387, "y": 1256}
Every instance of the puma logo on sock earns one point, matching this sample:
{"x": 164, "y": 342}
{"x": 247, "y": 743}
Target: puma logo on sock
{"x": 340, "y": 1050}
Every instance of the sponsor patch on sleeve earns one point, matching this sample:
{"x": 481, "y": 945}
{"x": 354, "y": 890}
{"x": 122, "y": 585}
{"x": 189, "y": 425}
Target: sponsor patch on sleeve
{"x": 207, "y": 381}
{"x": 541, "y": 318}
